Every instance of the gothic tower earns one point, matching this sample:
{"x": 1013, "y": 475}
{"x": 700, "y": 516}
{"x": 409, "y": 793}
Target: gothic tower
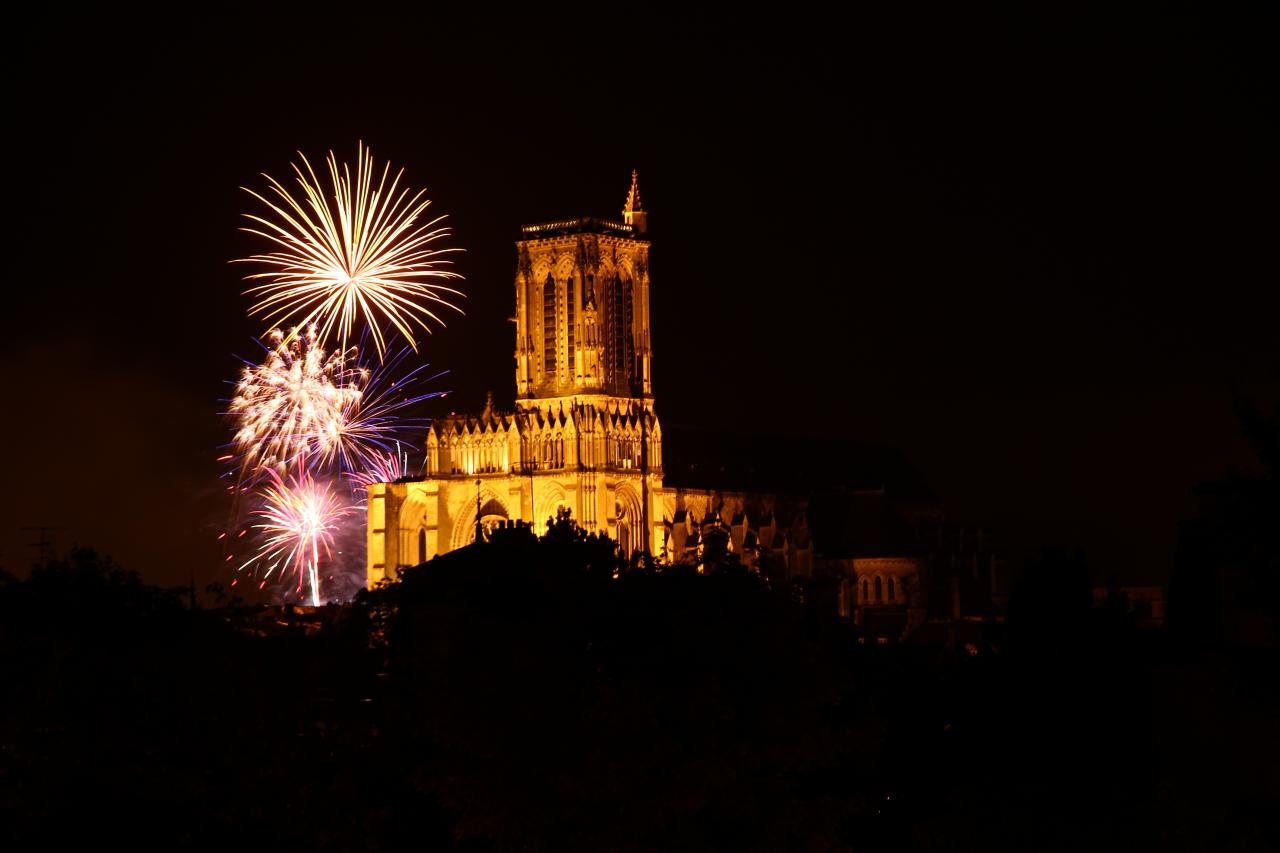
{"x": 584, "y": 437}
{"x": 582, "y": 310}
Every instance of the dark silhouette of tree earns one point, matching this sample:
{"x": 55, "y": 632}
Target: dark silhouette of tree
{"x": 535, "y": 694}
{"x": 1049, "y": 608}
{"x": 130, "y": 718}
{"x": 1225, "y": 586}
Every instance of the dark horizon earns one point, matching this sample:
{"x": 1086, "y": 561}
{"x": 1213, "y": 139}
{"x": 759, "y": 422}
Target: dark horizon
{"x": 1031, "y": 254}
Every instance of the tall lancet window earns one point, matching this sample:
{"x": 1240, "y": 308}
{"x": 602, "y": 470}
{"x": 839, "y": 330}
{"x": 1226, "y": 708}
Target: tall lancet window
{"x": 549, "y": 327}
{"x": 620, "y": 345}
{"x": 571, "y": 316}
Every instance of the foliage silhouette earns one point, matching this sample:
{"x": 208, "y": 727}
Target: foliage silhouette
{"x": 1225, "y": 587}
{"x": 538, "y": 694}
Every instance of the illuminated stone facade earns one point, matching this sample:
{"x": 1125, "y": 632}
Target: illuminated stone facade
{"x": 583, "y": 435}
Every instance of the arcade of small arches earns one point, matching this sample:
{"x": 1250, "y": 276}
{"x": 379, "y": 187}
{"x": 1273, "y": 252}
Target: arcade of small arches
{"x": 879, "y": 590}
{"x": 881, "y": 582}
{"x": 587, "y": 436}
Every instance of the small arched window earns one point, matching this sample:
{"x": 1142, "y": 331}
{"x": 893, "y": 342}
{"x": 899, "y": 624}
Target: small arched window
{"x": 892, "y": 597}
{"x": 866, "y": 590}
{"x": 422, "y": 545}
{"x": 878, "y": 596}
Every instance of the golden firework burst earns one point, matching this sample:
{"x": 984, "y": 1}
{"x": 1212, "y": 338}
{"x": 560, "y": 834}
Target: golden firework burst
{"x": 360, "y": 247}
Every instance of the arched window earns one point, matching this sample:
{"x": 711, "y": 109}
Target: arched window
{"x": 866, "y": 590}
{"x": 570, "y": 315}
{"x": 892, "y": 597}
{"x": 624, "y": 528}
{"x": 878, "y": 588}
{"x": 549, "y": 326}
{"x": 589, "y": 301}
{"x": 422, "y": 545}
{"x": 619, "y": 332}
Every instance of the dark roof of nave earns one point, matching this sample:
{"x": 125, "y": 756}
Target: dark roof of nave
{"x": 862, "y": 525}
{"x": 785, "y": 465}
{"x": 581, "y": 225}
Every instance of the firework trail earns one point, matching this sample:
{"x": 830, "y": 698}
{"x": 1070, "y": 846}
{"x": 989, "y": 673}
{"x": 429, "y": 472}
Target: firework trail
{"x": 375, "y": 425}
{"x": 298, "y": 519}
{"x": 386, "y": 467}
{"x": 353, "y": 248}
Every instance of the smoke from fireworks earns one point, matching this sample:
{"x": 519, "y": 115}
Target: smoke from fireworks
{"x": 354, "y": 249}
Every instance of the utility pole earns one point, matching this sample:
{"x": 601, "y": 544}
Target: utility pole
{"x": 527, "y": 463}
{"x": 44, "y": 545}
{"x": 644, "y": 481}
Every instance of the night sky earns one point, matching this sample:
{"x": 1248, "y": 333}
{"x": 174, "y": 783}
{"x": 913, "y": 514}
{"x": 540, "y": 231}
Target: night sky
{"x": 1036, "y": 254}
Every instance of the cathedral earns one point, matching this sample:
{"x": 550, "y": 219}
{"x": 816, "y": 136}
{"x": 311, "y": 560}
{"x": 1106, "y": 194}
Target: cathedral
{"x": 585, "y": 438}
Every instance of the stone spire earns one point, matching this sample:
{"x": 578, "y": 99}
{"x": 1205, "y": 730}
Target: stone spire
{"x": 633, "y": 212}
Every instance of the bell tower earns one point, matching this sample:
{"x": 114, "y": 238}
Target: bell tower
{"x": 582, "y": 310}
